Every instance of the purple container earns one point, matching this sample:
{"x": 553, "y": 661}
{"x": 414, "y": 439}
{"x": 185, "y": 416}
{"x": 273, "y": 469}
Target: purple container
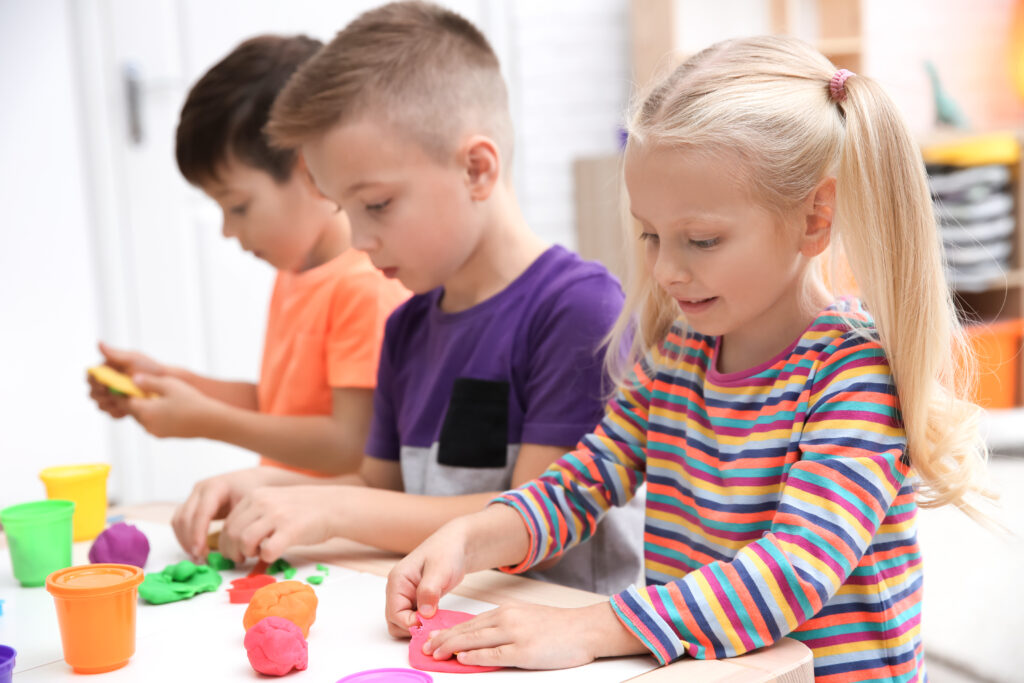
{"x": 7, "y": 656}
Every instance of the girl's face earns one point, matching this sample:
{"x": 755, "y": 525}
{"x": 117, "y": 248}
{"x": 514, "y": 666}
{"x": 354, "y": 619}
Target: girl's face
{"x": 730, "y": 264}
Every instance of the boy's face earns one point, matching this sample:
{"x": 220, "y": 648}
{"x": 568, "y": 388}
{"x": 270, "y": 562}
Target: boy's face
{"x": 412, "y": 215}
{"x": 277, "y": 222}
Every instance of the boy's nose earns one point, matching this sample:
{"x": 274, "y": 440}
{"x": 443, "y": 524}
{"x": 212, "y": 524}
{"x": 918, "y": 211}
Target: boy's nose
{"x": 364, "y": 241}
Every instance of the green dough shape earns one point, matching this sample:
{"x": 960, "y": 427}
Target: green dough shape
{"x": 316, "y": 579}
{"x": 321, "y": 568}
{"x": 159, "y": 588}
{"x": 290, "y": 572}
{"x": 279, "y": 565}
{"x": 219, "y": 562}
{"x": 115, "y": 392}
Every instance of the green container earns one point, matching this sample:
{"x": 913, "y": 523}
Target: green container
{"x": 39, "y": 538}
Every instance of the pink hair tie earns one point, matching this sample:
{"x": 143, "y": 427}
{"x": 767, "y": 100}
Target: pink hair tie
{"x": 837, "y": 86}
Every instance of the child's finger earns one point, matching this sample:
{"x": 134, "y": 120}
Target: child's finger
{"x": 115, "y": 358}
{"x": 431, "y": 587}
{"x": 399, "y": 604}
{"x": 210, "y": 502}
{"x": 151, "y": 384}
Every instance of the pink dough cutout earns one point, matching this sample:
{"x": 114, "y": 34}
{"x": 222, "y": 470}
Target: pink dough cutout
{"x": 275, "y": 646}
{"x": 445, "y": 618}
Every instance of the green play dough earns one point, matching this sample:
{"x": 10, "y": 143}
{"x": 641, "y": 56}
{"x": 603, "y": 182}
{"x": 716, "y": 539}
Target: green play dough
{"x": 278, "y": 566}
{"x": 179, "y": 581}
{"x": 316, "y": 579}
{"x": 323, "y": 569}
{"x": 290, "y": 573}
{"x": 219, "y": 562}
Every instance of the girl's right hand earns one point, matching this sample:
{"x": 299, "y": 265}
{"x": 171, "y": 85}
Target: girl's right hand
{"x": 128, "y": 362}
{"x": 417, "y": 583}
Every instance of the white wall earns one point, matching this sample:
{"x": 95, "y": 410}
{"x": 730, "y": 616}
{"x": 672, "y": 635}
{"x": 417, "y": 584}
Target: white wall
{"x": 49, "y": 317}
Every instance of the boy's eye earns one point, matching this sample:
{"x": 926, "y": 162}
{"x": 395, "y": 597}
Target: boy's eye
{"x": 704, "y": 244}
{"x": 379, "y": 206}
{"x": 648, "y": 237}
{"x": 240, "y": 209}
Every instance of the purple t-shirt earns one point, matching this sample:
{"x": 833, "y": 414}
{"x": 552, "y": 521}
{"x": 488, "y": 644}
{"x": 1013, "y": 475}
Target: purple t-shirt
{"x": 457, "y": 393}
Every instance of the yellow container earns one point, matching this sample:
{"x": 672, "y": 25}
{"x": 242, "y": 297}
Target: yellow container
{"x": 87, "y": 486}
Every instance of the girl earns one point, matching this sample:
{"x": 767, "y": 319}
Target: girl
{"x": 781, "y": 430}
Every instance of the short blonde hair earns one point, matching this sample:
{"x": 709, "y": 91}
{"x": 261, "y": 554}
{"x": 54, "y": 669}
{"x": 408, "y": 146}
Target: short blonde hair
{"x": 421, "y": 68}
{"x": 766, "y": 102}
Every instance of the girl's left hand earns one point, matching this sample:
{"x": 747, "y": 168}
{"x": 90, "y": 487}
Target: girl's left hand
{"x": 536, "y": 637}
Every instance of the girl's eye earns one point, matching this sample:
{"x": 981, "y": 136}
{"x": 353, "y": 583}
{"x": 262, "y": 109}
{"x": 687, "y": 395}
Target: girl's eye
{"x": 648, "y": 237}
{"x": 240, "y": 209}
{"x": 704, "y": 244}
{"x": 379, "y": 206}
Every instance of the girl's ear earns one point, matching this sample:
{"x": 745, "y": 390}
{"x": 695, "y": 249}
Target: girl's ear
{"x": 481, "y": 162}
{"x": 819, "y": 210}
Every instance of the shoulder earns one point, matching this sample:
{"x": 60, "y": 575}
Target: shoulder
{"x": 846, "y": 350}
{"x": 566, "y": 289}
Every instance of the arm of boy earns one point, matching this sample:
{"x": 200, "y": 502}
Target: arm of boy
{"x": 369, "y": 508}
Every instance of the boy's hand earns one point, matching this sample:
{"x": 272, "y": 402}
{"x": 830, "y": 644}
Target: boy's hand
{"x": 268, "y": 521}
{"x": 417, "y": 583}
{"x": 212, "y": 499}
{"x": 127, "y": 362}
{"x": 174, "y": 408}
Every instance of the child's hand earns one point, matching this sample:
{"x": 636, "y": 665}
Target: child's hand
{"x": 174, "y": 408}
{"x": 127, "y": 362}
{"x": 268, "y": 521}
{"x": 417, "y": 583}
{"x": 536, "y": 637}
{"x": 214, "y": 498}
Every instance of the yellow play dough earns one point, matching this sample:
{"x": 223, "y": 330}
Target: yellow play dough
{"x": 118, "y": 381}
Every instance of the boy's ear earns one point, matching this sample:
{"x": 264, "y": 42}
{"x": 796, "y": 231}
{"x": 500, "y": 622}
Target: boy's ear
{"x": 819, "y": 210}
{"x": 481, "y": 161}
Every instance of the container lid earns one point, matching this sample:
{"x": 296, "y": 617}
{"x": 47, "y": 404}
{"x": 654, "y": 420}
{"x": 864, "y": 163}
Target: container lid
{"x": 393, "y": 675}
{"x": 91, "y": 580}
{"x": 74, "y": 471}
{"x": 7, "y": 654}
{"x": 38, "y": 511}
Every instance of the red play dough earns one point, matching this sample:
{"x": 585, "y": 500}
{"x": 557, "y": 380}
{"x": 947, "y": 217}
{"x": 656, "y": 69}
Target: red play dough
{"x": 275, "y": 646}
{"x": 242, "y": 590}
{"x": 444, "y": 618}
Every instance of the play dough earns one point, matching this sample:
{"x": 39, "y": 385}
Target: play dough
{"x": 120, "y": 544}
{"x": 242, "y": 590}
{"x": 442, "y": 620}
{"x": 276, "y": 646}
{"x": 178, "y": 582}
{"x": 293, "y": 600}
{"x": 219, "y": 562}
{"x": 116, "y": 381}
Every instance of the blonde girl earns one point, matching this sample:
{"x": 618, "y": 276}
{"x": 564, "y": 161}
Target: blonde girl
{"x": 787, "y": 435}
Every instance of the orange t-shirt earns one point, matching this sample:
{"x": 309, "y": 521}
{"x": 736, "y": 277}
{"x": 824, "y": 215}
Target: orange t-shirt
{"x": 324, "y": 331}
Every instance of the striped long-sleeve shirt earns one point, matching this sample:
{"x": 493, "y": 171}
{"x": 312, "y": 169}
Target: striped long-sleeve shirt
{"x": 778, "y": 502}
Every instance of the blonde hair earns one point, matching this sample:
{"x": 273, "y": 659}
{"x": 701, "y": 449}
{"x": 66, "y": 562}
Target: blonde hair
{"x": 765, "y": 101}
{"x": 417, "y": 66}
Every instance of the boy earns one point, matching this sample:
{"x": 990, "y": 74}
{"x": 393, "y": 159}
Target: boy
{"x": 311, "y": 408}
{"x": 491, "y": 371}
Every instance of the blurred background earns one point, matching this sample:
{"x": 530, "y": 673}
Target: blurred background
{"x": 104, "y": 240}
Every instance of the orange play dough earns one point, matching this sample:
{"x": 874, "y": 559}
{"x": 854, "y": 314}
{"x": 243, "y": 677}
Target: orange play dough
{"x": 293, "y": 600}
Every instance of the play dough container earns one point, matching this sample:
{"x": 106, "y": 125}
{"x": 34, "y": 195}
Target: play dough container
{"x": 39, "y": 538}
{"x": 7, "y": 655}
{"x": 96, "y": 612}
{"x": 87, "y": 486}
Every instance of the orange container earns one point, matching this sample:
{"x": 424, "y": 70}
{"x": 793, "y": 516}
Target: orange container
{"x": 997, "y": 347}
{"x": 96, "y": 612}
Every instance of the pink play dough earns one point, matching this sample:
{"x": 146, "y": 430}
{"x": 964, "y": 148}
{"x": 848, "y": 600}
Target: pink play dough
{"x": 121, "y": 544}
{"x": 444, "y": 618}
{"x": 275, "y": 646}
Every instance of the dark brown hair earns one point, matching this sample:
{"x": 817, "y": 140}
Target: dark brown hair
{"x": 420, "y": 67}
{"x": 225, "y": 112}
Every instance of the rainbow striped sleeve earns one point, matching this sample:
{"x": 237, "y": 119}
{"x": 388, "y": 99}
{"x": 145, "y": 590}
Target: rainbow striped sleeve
{"x": 833, "y": 499}
{"x": 562, "y": 507}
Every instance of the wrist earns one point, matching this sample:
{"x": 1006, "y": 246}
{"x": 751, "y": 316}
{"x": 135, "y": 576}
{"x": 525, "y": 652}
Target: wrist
{"x": 605, "y": 635}
{"x": 213, "y": 420}
{"x": 493, "y": 537}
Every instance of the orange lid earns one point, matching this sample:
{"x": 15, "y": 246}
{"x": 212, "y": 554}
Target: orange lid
{"x": 91, "y": 580}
